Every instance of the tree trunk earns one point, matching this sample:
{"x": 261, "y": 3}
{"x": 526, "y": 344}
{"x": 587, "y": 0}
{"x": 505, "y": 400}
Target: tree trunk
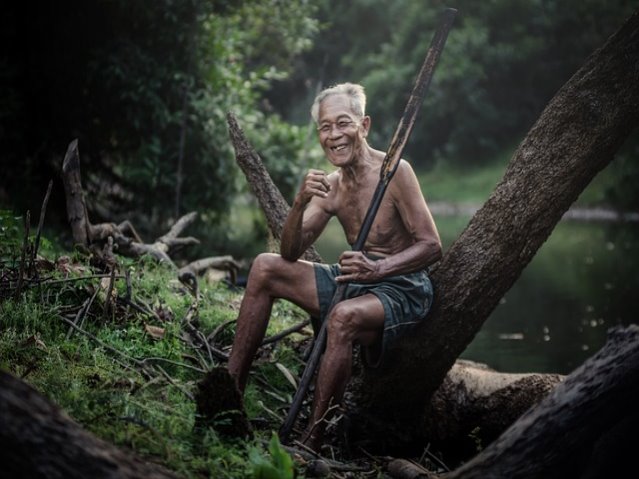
{"x": 578, "y": 134}
{"x": 272, "y": 202}
{"x": 585, "y": 428}
{"x": 475, "y": 404}
{"x": 76, "y": 207}
{"x": 38, "y": 440}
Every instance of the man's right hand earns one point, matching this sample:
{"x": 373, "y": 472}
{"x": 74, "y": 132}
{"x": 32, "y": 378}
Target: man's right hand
{"x": 315, "y": 184}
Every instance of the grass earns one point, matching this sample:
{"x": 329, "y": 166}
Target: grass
{"x": 111, "y": 395}
{"x": 456, "y": 184}
{"x": 473, "y": 184}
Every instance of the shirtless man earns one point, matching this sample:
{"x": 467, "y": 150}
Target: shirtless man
{"x": 388, "y": 289}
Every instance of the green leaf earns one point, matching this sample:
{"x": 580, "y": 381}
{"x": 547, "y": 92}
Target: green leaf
{"x": 280, "y": 465}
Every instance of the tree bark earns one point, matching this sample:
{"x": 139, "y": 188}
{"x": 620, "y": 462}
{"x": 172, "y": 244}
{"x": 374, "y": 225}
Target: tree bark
{"x": 577, "y": 134}
{"x": 38, "y": 440}
{"x": 475, "y": 404}
{"x": 76, "y": 207}
{"x": 585, "y": 428}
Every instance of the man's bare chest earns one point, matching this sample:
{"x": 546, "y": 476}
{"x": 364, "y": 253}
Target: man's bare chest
{"x": 352, "y": 212}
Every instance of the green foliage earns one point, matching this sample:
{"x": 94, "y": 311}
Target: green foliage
{"x": 103, "y": 381}
{"x": 10, "y": 236}
{"x": 149, "y": 82}
{"x": 475, "y": 436}
{"x": 502, "y": 63}
{"x": 279, "y": 466}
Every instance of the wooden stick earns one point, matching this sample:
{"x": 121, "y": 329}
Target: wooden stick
{"x": 107, "y": 301}
{"x": 286, "y": 332}
{"x": 43, "y": 211}
{"x": 23, "y": 258}
{"x": 79, "y": 318}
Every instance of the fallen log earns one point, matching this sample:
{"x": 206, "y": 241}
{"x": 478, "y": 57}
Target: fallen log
{"x": 475, "y": 404}
{"x": 471, "y": 408}
{"x": 38, "y": 440}
{"x": 585, "y": 428}
{"x": 200, "y": 266}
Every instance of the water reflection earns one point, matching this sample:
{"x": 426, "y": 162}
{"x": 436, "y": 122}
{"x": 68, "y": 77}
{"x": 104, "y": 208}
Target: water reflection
{"x": 581, "y": 282}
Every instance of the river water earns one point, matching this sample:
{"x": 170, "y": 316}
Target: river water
{"x": 581, "y": 282}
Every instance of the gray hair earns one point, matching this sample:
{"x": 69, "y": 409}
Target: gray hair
{"x": 353, "y": 91}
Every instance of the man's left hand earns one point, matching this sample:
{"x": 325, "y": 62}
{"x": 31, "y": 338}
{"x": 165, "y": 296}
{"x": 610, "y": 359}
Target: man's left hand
{"x": 356, "y": 267}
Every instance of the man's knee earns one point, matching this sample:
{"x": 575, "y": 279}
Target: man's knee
{"x": 342, "y": 322}
{"x": 265, "y": 268}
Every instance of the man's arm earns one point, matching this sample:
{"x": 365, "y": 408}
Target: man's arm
{"x": 425, "y": 245}
{"x": 308, "y": 216}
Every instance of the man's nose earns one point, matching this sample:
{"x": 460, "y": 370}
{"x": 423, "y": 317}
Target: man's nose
{"x": 335, "y": 131}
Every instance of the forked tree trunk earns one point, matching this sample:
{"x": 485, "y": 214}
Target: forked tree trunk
{"x": 576, "y": 136}
{"x": 472, "y": 396}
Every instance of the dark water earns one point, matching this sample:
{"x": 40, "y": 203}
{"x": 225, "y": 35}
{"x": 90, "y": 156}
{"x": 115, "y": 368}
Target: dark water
{"x": 583, "y": 280}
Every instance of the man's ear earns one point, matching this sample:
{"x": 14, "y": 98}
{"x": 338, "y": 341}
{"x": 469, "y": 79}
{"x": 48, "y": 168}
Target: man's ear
{"x": 366, "y": 124}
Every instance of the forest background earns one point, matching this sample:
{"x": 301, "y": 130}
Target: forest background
{"x": 145, "y": 86}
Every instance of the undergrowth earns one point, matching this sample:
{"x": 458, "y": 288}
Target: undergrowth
{"x": 129, "y": 371}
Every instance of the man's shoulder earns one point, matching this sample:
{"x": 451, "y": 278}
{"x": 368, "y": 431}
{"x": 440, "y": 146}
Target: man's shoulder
{"x": 404, "y": 172}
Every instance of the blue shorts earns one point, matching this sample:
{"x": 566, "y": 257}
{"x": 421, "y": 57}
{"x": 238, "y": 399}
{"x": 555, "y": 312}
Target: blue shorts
{"x": 406, "y": 300}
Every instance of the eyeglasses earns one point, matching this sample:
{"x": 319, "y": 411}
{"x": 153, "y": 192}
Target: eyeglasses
{"x": 342, "y": 125}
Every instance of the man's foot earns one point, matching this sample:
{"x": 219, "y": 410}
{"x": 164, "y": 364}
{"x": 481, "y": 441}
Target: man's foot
{"x": 220, "y": 406}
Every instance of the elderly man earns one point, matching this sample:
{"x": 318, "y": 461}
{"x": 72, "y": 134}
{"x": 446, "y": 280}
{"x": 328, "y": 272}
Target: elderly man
{"x": 388, "y": 287}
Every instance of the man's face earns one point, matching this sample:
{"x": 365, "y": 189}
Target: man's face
{"x": 341, "y": 132}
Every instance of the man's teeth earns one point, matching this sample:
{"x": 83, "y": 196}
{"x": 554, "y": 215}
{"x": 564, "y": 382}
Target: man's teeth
{"x": 338, "y": 148}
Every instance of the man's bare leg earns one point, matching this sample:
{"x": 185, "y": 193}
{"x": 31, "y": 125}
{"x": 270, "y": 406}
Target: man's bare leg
{"x": 359, "y": 319}
{"x": 270, "y": 277}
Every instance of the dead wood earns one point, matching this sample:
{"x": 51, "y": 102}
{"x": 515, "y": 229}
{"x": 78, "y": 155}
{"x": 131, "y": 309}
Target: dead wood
{"x": 23, "y": 255}
{"x": 584, "y": 428}
{"x": 475, "y": 404}
{"x": 220, "y": 405}
{"x": 405, "y": 469}
{"x": 43, "y": 211}
{"x": 38, "y": 440}
{"x": 86, "y": 234}
{"x": 471, "y": 408}
{"x": 272, "y": 202}
{"x": 218, "y": 263}
{"x": 76, "y": 206}
{"x": 293, "y": 329}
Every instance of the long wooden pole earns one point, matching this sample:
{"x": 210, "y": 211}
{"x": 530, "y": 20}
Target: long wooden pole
{"x": 389, "y": 166}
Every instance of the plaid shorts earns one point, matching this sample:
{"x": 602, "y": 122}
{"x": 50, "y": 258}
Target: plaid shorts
{"x": 406, "y": 300}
